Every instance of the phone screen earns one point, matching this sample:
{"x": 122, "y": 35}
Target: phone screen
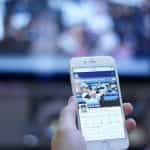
{"x": 100, "y": 112}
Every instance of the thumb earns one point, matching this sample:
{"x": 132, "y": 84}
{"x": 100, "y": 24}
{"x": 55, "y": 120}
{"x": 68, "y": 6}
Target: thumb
{"x": 68, "y": 115}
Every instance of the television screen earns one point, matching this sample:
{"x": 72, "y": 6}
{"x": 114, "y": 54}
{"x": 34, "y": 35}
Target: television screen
{"x": 42, "y": 37}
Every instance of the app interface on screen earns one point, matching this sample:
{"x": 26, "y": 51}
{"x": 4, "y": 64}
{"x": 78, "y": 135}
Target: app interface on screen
{"x": 99, "y": 104}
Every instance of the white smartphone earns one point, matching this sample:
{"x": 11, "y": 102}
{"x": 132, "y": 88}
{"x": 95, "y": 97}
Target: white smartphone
{"x": 101, "y": 120}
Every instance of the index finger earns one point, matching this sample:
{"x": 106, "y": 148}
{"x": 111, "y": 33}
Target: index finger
{"x": 128, "y": 108}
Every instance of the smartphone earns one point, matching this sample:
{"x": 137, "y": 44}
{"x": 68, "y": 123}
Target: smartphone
{"x": 100, "y": 118}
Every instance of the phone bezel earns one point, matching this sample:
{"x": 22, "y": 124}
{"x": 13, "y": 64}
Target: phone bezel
{"x": 78, "y": 62}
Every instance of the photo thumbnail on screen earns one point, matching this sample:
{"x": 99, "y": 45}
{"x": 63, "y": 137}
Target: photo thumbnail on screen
{"x": 96, "y": 89}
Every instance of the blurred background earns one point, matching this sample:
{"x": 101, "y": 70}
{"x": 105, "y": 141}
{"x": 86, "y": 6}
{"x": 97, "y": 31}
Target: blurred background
{"x": 37, "y": 39}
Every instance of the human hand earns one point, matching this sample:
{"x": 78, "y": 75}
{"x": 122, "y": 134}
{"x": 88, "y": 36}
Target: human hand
{"x": 68, "y": 137}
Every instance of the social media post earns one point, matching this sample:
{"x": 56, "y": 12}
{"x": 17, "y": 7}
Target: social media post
{"x": 99, "y": 104}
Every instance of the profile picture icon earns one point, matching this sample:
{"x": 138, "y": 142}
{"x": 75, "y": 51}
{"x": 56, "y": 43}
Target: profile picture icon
{"x": 83, "y": 107}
